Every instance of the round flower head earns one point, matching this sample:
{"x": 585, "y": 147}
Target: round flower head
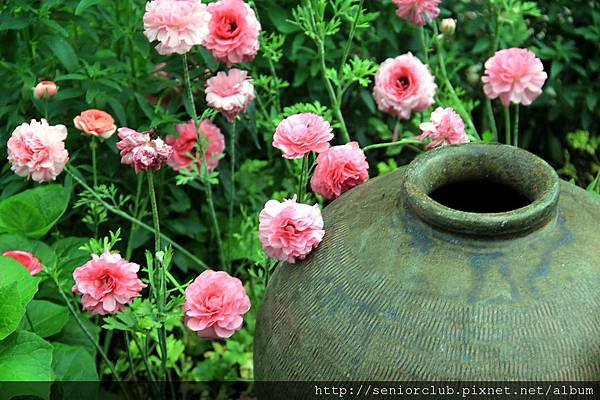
{"x": 141, "y": 151}
{"x": 300, "y": 134}
{"x": 289, "y": 231}
{"x": 445, "y": 127}
{"x": 215, "y": 304}
{"x": 404, "y": 85}
{"x": 233, "y": 32}
{"x": 176, "y": 24}
{"x": 106, "y": 283}
{"x": 28, "y": 260}
{"x": 45, "y": 89}
{"x": 339, "y": 169}
{"x": 96, "y": 123}
{"x": 448, "y": 26}
{"x": 418, "y": 12}
{"x": 230, "y": 92}
{"x": 184, "y": 146}
{"x": 514, "y": 75}
{"x": 37, "y": 150}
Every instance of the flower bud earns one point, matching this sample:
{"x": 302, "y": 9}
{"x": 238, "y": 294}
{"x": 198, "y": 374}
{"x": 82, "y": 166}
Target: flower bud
{"x": 448, "y": 26}
{"x": 45, "y": 89}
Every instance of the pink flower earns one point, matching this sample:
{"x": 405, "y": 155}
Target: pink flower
{"x": 141, "y": 151}
{"x": 45, "y": 89}
{"x": 403, "y": 85}
{"x": 300, "y": 134}
{"x": 233, "y": 32}
{"x": 184, "y": 146}
{"x": 514, "y": 75}
{"x": 95, "y": 122}
{"x": 215, "y": 304}
{"x": 231, "y": 93}
{"x": 176, "y": 24}
{"x": 446, "y": 127}
{"x": 289, "y": 231}
{"x": 37, "y": 150}
{"x": 339, "y": 169}
{"x": 28, "y": 260}
{"x": 418, "y": 12}
{"x": 107, "y": 282}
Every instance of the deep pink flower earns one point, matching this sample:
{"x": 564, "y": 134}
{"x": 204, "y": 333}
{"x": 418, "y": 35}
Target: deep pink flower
{"x": 233, "y": 32}
{"x": 289, "y": 231}
{"x": 230, "y": 92}
{"x": 445, "y": 127}
{"x": 300, "y": 134}
{"x": 339, "y": 169}
{"x": 106, "y": 283}
{"x": 404, "y": 85}
{"x": 141, "y": 151}
{"x": 95, "y": 123}
{"x": 514, "y": 75}
{"x": 37, "y": 150}
{"x": 28, "y": 260}
{"x": 215, "y": 304}
{"x": 418, "y": 12}
{"x": 176, "y": 24}
{"x": 184, "y": 146}
{"x": 45, "y": 89}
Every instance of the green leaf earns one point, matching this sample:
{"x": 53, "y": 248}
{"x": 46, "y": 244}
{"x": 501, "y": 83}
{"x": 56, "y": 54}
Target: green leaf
{"x": 8, "y": 22}
{"x": 63, "y": 51}
{"x": 73, "y": 363}
{"x": 72, "y": 334}
{"x": 11, "y": 241}
{"x": 33, "y": 212}
{"x": 24, "y": 356}
{"x": 84, "y": 5}
{"x": 17, "y": 288}
{"x": 46, "y": 317}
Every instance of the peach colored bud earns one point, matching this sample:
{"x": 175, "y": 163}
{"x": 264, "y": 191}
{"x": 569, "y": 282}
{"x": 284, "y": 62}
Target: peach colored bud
{"x": 448, "y": 26}
{"x": 45, "y": 89}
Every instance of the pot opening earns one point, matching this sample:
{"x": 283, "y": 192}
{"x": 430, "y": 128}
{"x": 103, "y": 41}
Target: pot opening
{"x": 480, "y": 196}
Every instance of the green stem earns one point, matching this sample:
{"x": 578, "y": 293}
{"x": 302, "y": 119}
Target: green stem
{"x": 424, "y": 44}
{"x": 136, "y": 211}
{"x": 155, "y": 217}
{"x": 350, "y": 37}
{"x": 174, "y": 282}
{"x": 490, "y": 113}
{"x": 302, "y": 181}
{"x": 139, "y": 223}
{"x": 516, "y": 126}
{"x": 507, "y": 138}
{"x": 93, "y": 145}
{"x": 215, "y": 223}
{"x": 231, "y": 198}
{"x": 144, "y": 357}
{"x": 401, "y": 142}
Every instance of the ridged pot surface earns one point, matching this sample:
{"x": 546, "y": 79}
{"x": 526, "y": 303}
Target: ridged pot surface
{"x": 403, "y": 288}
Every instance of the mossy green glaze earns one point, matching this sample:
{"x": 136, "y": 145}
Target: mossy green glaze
{"x": 404, "y": 288}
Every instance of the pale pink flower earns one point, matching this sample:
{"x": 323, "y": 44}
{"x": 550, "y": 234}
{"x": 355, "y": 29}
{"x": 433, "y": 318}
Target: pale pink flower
{"x": 142, "y": 151}
{"x": 418, "y": 12}
{"x": 176, "y": 24}
{"x": 28, "y": 260}
{"x": 404, "y": 85}
{"x": 445, "y": 127}
{"x": 514, "y": 75}
{"x": 106, "y": 283}
{"x": 233, "y": 32}
{"x": 289, "y": 231}
{"x": 37, "y": 150}
{"x": 45, "y": 89}
{"x": 230, "y": 92}
{"x": 448, "y": 26}
{"x": 95, "y": 123}
{"x": 215, "y": 304}
{"x": 184, "y": 146}
{"x": 339, "y": 169}
{"x": 300, "y": 134}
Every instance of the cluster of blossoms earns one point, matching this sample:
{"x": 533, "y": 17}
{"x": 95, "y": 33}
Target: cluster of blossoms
{"x": 142, "y": 151}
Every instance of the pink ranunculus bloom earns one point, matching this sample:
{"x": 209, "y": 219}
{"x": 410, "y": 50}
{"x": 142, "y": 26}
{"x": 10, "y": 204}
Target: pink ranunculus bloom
{"x": 107, "y": 282}
{"x": 339, "y": 169}
{"x": 289, "y": 231}
{"x": 230, "y": 92}
{"x": 300, "y": 134}
{"x": 28, "y": 260}
{"x": 418, "y": 12}
{"x": 404, "y": 85}
{"x": 141, "y": 151}
{"x": 45, "y": 89}
{"x": 514, "y": 75}
{"x": 95, "y": 123}
{"x": 233, "y": 32}
{"x": 215, "y": 304}
{"x": 37, "y": 150}
{"x": 184, "y": 146}
{"x": 445, "y": 127}
{"x": 177, "y": 25}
